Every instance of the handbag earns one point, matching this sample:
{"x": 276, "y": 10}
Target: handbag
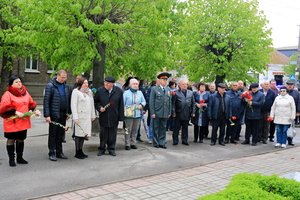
{"x": 291, "y": 132}
{"x": 129, "y": 111}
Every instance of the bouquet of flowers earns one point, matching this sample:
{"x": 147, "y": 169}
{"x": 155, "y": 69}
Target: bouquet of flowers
{"x": 172, "y": 93}
{"x": 202, "y": 104}
{"x": 269, "y": 119}
{"x": 247, "y": 95}
{"x": 232, "y": 119}
{"x": 35, "y": 113}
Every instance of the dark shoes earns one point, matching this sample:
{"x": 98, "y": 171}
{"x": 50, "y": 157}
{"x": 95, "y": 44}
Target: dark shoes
{"x": 52, "y": 157}
{"x": 271, "y": 140}
{"x": 185, "y": 143}
{"x": 245, "y": 142}
{"x": 264, "y": 141}
{"x": 20, "y": 160}
{"x": 201, "y": 141}
{"x": 61, "y": 156}
{"x": 162, "y": 146}
{"x": 127, "y": 147}
{"x": 212, "y": 143}
{"x": 133, "y": 147}
{"x": 222, "y": 143}
{"x": 233, "y": 142}
{"x": 100, "y": 152}
{"x": 139, "y": 139}
{"x": 253, "y": 144}
{"x": 112, "y": 153}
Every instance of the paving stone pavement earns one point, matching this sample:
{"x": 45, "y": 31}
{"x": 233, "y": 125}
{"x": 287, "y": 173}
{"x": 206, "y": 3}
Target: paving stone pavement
{"x": 189, "y": 183}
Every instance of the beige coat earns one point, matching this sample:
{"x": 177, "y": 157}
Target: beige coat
{"x": 82, "y": 106}
{"x": 283, "y": 109}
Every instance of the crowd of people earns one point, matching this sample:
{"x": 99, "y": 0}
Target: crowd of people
{"x": 171, "y": 105}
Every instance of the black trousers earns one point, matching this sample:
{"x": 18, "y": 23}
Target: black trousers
{"x": 108, "y": 137}
{"x": 238, "y": 132}
{"x": 183, "y": 125}
{"x": 272, "y": 130}
{"x": 200, "y": 132}
{"x": 252, "y": 128}
{"x": 216, "y": 124}
{"x": 264, "y": 127}
{"x": 56, "y": 134}
{"x": 232, "y": 131}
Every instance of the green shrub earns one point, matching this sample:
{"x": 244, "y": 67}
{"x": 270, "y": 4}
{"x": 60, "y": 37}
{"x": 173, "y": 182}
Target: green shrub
{"x": 258, "y": 187}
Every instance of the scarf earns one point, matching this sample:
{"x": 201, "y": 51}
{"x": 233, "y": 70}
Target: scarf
{"x": 17, "y": 92}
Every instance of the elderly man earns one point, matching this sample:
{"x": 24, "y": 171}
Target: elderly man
{"x": 290, "y": 86}
{"x": 253, "y": 114}
{"x": 160, "y": 109}
{"x": 218, "y": 113}
{"x": 212, "y": 88}
{"x": 265, "y": 111}
{"x": 109, "y": 104}
{"x": 272, "y": 125}
{"x": 237, "y": 109}
{"x": 183, "y": 109}
{"x": 56, "y": 111}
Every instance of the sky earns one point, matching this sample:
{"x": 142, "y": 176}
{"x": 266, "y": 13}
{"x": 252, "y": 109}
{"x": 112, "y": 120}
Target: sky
{"x": 284, "y": 18}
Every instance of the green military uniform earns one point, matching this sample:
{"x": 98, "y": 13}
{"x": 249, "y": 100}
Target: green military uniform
{"x": 160, "y": 105}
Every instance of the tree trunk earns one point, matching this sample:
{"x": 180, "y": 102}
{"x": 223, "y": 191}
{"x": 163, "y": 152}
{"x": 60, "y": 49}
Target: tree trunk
{"x": 5, "y": 74}
{"x": 220, "y": 79}
{"x": 98, "y": 66}
{"x": 98, "y": 79}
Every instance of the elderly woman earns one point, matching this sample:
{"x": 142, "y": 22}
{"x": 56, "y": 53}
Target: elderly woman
{"x": 134, "y": 102}
{"x": 283, "y": 112}
{"x": 14, "y": 103}
{"x": 201, "y": 120}
{"x": 83, "y": 111}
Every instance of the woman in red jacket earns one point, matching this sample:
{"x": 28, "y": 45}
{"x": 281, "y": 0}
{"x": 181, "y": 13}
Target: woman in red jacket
{"x": 14, "y": 103}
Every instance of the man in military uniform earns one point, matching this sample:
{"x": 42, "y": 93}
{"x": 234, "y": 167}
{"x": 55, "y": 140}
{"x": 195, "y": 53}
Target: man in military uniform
{"x": 160, "y": 109}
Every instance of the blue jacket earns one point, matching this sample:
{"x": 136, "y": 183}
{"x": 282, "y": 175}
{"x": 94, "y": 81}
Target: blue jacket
{"x": 269, "y": 99}
{"x": 213, "y": 106}
{"x": 134, "y": 99}
{"x": 52, "y": 104}
{"x": 237, "y": 106}
{"x": 254, "y": 111}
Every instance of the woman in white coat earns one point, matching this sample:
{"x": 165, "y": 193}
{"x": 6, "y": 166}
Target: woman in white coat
{"x": 283, "y": 112}
{"x": 83, "y": 111}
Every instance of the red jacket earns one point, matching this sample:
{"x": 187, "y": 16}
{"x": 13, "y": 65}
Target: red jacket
{"x": 11, "y": 102}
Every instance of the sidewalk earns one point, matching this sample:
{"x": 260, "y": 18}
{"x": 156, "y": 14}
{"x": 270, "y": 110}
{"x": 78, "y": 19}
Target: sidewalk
{"x": 189, "y": 183}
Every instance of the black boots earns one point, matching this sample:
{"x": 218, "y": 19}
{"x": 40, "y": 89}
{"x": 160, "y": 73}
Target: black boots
{"x": 78, "y": 145}
{"x": 19, "y": 150}
{"x": 11, "y": 154}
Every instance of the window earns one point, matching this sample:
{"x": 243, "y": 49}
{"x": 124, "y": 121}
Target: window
{"x": 31, "y": 65}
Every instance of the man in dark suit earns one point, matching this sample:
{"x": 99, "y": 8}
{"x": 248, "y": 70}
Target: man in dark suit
{"x": 218, "y": 113}
{"x": 57, "y": 110}
{"x": 236, "y": 113}
{"x": 160, "y": 109}
{"x": 253, "y": 114}
{"x": 183, "y": 109}
{"x": 109, "y": 104}
{"x": 265, "y": 111}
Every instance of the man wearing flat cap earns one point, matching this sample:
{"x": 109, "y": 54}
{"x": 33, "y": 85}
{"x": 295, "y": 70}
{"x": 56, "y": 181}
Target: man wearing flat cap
{"x": 160, "y": 109}
{"x": 109, "y": 104}
{"x": 218, "y": 113}
{"x": 253, "y": 114}
{"x": 290, "y": 86}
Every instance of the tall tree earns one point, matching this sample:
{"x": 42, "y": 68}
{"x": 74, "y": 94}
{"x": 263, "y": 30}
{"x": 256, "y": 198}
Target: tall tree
{"x": 225, "y": 39}
{"x": 116, "y": 37}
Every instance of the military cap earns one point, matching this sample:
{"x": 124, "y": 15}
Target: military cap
{"x": 290, "y": 82}
{"x": 164, "y": 75}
